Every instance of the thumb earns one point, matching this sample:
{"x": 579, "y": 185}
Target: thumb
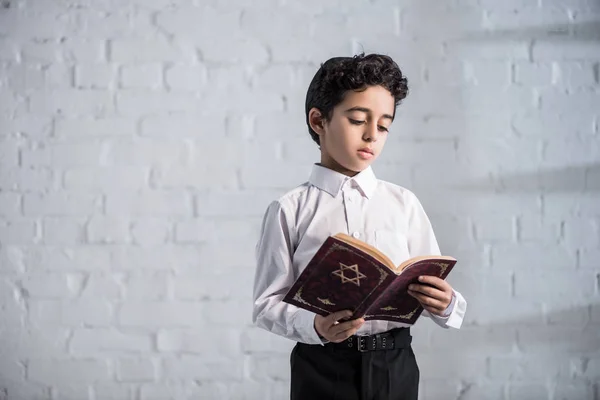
{"x": 336, "y": 316}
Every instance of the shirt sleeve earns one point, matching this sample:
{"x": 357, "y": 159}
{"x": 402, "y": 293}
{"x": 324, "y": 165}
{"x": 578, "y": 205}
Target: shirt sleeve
{"x": 422, "y": 241}
{"x": 273, "y": 277}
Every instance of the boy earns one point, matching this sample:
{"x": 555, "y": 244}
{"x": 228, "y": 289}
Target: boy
{"x": 350, "y": 105}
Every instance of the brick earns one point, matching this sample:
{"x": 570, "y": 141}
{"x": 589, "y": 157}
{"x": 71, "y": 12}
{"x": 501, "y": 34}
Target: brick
{"x": 490, "y": 74}
{"x": 213, "y": 286}
{"x": 87, "y": 127}
{"x": 573, "y": 74}
{"x": 48, "y": 285}
{"x": 582, "y": 232}
{"x": 565, "y": 340}
{"x": 532, "y": 256}
{"x": 92, "y": 342}
{"x": 186, "y": 78}
{"x": 183, "y": 126}
{"x": 142, "y": 76}
{"x": 539, "y": 229}
{"x": 98, "y": 76}
{"x": 589, "y": 258}
{"x": 114, "y": 391}
{"x": 553, "y": 101}
{"x": 149, "y": 203}
{"x": 147, "y": 286}
{"x": 79, "y": 258}
{"x": 11, "y": 260}
{"x": 138, "y": 103}
{"x": 189, "y": 367}
{"x": 31, "y": 126}
{"x": 157, "y": 314}
{"x": 107, "y": 179}
{"x": 495, "y": 229}
{"x": 33, "y": 342}
{"x": 534, "y": 74}
{"x": 59, "y": 76}
{"x": 64, "y": 155}
{"x": 70, "y": 391}
{"x": 273, "y": 366}
{"x": 562, "y": 152}
{"x": 9, "y": 50}
{"x": 470, "y": 391}
{"x": 136, "y": 370}
{"x": 171, "y": 390}
{"x": 18, "y": 231}
{"x": 26, "y": 180}
{"x": 192, "y": 177}
{"x": 568, "y": 389}
{"x": 151, "y": 231}
{"x": 234, "y": 203}
{"x": 59, "y": 231}
{"x": 148, "y": 50}
{"x": 523, "y": 368}
{"x": 202, "y": 343}
{"x": 567, "y": 50}
{"x": 9, "y": 153}
{"x": 71, "y": 102}
{"x": 216, "y": 229}
{"x": 103, "y": 286}
{"x": 44, "y": 313}
{"x": 534, "y": 390}
{"x": 560, "y": 205}
{"x": 144, "y": 152}
{"x": 155, "y": 258}
{"x": 107, "y": 230}
{"x": 258, "y": 341}
{"x": 24, "y": 79}
{"x": 10, "y": 204}
{"x": 60, "y": 204}
{"x": 59, "y": 370}
{"x": 220, "y": 312}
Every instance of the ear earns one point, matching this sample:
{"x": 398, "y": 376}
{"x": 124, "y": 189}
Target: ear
{"x": 316, "y": 121}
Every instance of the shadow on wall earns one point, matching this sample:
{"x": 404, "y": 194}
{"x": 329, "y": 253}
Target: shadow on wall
{"x": 573, "y": 179}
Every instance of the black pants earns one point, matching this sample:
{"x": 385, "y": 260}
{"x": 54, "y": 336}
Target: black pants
{"x": 333, "y": 373}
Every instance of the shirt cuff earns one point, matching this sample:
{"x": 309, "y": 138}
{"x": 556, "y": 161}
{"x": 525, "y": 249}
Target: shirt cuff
{"x": 304, "y": 321}
{"x": 454, "y": 314}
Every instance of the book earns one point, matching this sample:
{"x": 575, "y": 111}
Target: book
{"x": 349, "y": 274}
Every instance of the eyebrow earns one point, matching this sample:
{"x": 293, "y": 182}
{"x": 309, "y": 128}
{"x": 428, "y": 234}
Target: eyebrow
{"x": 366, "y": 110}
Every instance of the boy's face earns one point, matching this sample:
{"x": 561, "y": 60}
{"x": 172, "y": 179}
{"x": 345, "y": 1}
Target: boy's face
{"x": 357, "y": 131}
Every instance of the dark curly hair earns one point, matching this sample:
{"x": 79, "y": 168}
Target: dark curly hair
{"x": 341, "y": 74}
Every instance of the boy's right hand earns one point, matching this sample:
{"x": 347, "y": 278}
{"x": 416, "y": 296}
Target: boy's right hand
{"x": 329, "y": 328}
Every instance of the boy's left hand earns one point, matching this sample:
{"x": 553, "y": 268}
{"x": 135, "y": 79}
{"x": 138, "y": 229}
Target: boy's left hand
{"x": 433, "y": 293}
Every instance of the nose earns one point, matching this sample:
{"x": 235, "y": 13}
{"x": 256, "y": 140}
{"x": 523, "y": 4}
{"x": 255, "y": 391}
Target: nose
{"x": 370, "y": 133}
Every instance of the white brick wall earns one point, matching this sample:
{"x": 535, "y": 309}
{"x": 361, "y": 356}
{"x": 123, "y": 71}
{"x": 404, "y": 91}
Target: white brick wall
{"x": 141, "y": 141}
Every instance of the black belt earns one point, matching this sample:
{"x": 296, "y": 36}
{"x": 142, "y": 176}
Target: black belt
{"x": 395, "y": 339}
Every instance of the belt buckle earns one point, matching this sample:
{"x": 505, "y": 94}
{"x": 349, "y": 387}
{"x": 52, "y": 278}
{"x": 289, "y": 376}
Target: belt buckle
{"x": 361, "y": 344}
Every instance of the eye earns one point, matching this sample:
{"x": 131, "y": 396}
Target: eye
{"x": 355, "y": 121}
{"x": 383, "y": 128}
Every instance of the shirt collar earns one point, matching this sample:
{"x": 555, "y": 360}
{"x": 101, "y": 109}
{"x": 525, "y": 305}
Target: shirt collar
{"x": 331, "y": 181}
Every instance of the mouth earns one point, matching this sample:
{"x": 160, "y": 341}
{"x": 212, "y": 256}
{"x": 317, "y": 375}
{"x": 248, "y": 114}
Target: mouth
{"x": 365, "y": 153}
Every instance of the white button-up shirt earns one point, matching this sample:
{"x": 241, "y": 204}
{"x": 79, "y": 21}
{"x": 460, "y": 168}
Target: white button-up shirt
{"x": 382, "y": 214}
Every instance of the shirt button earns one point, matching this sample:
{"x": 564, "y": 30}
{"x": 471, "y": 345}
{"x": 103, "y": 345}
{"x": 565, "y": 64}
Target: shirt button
{"x": 356, "y": 235}
{"x": 349, "y": 199}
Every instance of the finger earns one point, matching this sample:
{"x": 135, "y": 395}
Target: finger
{"x": 427, "y": 301}
{"x": 344, "y": 326}
{"x": 435, "y": 281}
{"x": 333, "y": 318}
{"x": 427, "y": 290}
{"x": 343, "y": 335}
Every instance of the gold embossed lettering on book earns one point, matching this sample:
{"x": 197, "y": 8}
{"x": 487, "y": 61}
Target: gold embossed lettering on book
{"x": 349, "y": 274}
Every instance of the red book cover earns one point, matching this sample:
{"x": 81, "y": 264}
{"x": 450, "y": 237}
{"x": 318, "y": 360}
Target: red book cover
{"x": 347, "y": 274}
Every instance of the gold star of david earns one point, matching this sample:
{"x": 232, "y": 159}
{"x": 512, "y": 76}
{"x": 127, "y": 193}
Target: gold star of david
{"x": 353, "y": 268}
